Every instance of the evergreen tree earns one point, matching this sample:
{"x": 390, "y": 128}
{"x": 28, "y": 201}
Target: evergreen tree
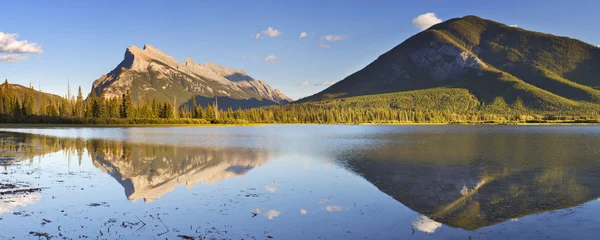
{"x": 126, "y": 109}
{"x": 79, "y": 104}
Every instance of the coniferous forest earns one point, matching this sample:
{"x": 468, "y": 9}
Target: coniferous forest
{"x": 20, "y": 104}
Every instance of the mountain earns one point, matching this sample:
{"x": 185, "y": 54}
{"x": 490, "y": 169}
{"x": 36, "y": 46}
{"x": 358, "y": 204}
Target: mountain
{"x": 151, "y": 72}
{"x": 492, "y": 62}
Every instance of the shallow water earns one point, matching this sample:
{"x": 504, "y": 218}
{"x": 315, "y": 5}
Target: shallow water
{"x": 301, "y": 182}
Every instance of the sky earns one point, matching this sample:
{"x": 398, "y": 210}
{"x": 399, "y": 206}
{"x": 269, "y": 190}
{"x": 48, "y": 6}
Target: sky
{"x": 299, "y": 47}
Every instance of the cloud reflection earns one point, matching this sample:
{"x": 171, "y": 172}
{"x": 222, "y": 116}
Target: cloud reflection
{"x": 272, "y": 187}
{"x": 10, "y": 202}
{"x": 272, "y": 214}
{"x": 335, "y": 208}
{"x": 425, "y": 224}
{"x": 269, "y": 214}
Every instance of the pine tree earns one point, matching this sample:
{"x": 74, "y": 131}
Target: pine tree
{"x": 126, "y": 109}
{"x": 79, "y": 104}
{"x": 16, "y": 109}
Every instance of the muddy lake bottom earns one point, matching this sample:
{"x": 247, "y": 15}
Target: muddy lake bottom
{"x": 301, "y": 182}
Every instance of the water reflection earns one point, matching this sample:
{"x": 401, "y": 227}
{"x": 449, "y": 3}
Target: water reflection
{"x": 146, "y": 171}
{"x": 425, "y": 224}
{"x": 10, "y": 202}
{"x": 476, "y": 179}
{"x": 466, "y": 178}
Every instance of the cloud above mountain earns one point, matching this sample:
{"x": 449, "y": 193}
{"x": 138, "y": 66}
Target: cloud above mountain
{"x": 424, "y": 21}
{"x": 10, "y": 44}
{"x": 270, "y": 32}
{"x": 13, "y": 58}
{"x": 333, "y": 38}
{"x": 271, "y": 59}
{"x": 326, "y": 83}
{"x": 305, "y": 83}
{"x": 323, "y": 45}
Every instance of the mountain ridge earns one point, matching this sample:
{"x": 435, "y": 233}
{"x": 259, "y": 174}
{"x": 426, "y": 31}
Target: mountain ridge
{"x": 492, "y": 60}
{"x": 150, "y": 71}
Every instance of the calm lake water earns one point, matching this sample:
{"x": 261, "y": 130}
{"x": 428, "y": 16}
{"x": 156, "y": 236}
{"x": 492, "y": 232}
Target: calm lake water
{"x": 301, "y": 182}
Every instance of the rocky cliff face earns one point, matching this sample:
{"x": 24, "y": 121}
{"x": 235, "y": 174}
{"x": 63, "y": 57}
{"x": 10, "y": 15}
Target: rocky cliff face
{"x": 445, "y": 61}
{"x": 151, "y": 72}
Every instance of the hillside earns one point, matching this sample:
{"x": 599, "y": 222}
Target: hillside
{"x": 492, "y": 61}
{"x": 149, "y": 72}
{"x": 35, "y": 101}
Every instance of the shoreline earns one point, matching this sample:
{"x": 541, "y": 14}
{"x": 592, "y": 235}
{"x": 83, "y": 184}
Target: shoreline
{"x": 52, "y": 125}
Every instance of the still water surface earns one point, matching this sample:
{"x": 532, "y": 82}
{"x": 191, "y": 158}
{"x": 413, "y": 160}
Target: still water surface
{"x": 301, "y": 182}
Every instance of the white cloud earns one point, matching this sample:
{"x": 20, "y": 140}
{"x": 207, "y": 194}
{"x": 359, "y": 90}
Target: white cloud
{"x": 305, "y": 83}
{"x": 9, "y": 43}
{"x": 272, "y": 59}
{"x": 425, "y": 224}
{"x": 598, "y": 46}
{"x": 514, "y": 25}
{"x": 326, "y": 83}
{"x": 271, "y": 32}
{"x": 257, "y": 36}
{"x": 303, "y": 35}
{"x": 334, "y": 208}
{"x": 323, "y": 45}
{"x": 13, "y": 58}
{"x": 425, "y": 21}
{"x": 333, "y": 38}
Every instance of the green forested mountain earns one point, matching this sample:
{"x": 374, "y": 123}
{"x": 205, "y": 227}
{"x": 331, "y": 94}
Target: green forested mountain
{"x": 494, "y": 63}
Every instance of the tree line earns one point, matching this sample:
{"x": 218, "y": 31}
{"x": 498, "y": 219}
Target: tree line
{"x": 30, "y": 106}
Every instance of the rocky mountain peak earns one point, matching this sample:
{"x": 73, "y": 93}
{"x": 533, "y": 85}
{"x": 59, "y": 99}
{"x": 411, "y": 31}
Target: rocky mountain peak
{"x": 153, "y": 72}
{"x": 189, "y": 61}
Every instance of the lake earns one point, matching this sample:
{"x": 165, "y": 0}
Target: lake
{"x": 301, "y": 182}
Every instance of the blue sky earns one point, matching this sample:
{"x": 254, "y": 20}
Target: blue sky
{"x": 81, "y": 40}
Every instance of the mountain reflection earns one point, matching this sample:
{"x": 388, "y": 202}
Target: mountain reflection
{"x": 473, "y": 180}
{"x": 146, "y": 171}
